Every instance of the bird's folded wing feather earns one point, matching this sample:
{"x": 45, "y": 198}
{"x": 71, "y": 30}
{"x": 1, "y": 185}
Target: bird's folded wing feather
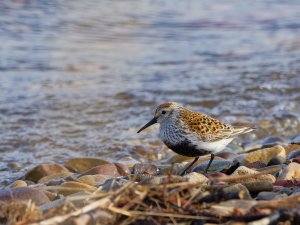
{"x": 210, "y": 129}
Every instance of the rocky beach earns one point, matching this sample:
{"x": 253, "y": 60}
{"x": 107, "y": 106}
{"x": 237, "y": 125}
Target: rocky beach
{"x": 255, "y": 186}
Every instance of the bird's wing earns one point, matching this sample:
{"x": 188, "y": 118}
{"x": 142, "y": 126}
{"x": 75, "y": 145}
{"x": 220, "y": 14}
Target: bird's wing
{"x": 209, "y": 129}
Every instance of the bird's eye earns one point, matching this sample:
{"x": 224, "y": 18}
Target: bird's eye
{"x": 163, "y": 112}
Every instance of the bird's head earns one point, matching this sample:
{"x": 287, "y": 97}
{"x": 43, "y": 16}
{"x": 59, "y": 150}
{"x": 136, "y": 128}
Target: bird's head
{"x": 163, "y": 113}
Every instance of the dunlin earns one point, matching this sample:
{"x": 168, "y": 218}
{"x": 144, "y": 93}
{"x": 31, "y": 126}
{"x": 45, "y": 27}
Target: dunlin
{"x": 191, "y": 133}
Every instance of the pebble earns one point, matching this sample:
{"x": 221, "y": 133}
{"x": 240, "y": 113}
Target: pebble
{"x": 54, "y": 176}
{"x": 256, "y": 186}
{"x": 145, "y": 168}
{"x": 128, "y": 161}
{"x": 227, "y": 155}
{"x": 195, "y": 178}
{"x": 72, "y": 187}
{"x": 110, "y": 169}
{"x": 265, "y": 154}
{"x": 24, "y": 194}
{"x": 266, "y": 195}
{"x": 80, "y": 165}
{"x": 162, "y": 180}
{"x": 292, "y": 171}
{"x": 242, "y": 170}
{"x": 277, "y": 160}
{"x": 293, "y": 154}
{"x": 44, "y": 170}
{"x": 17, "y": 184}
{"x": 113, "y": 184}
{"x": 296, "y": 139}
{"x": 216, "y": 166}
{"x": 272, "y": 141}
{"x": 94, "y": 180}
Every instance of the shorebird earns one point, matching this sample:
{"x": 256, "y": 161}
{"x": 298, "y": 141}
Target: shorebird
{"x": 193, "y": 134}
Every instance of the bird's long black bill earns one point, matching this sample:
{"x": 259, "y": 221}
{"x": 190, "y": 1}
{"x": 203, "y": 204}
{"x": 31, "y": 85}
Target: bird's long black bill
{"x": 151, "y": 122}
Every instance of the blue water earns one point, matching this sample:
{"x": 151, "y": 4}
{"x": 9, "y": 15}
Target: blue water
{"x": 78, "y": 78}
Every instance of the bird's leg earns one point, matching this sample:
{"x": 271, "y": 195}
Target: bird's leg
{"x": 189, "y": 166}
{"x": 212, "y": 156}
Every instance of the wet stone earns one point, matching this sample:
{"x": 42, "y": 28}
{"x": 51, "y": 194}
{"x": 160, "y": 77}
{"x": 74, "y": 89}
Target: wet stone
{"x": 278, "y": 160}
{"x": 54, "y": 176}
{"x": 195, "y": 178}
{"x": 94, "y": 180}
{"x": 44, "y": 170}
{"x": 72, "y": 187}
{"x": 242, "y": 170}
{"x": 145, "y": 168}
{"x": 227, "y": 155}
{"x": 110, "y": 169}
{"x": 216, "y": 166}
{"x": 113, "y": 184}
{"x": 296, "y": 139}
{"x": 258, "y": 186}
{"x": 128, "y": 161}
{"x": 270, "y": 195}
{"x": 80, "y": 165}
{"x": 256, "y": 165}
{"x": 293, "y": 154}
{"x": 17, "y": 184}
{"x": 272, "y": 141}
{"x": 24, "y": 194}
{"x": 292, "y": 171}
{"x": 265, "y": 154}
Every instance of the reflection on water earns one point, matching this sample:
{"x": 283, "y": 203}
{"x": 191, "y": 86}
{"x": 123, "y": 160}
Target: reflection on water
{"x": 78, "y": 78}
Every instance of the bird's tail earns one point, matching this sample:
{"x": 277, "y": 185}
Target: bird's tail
{"x": 243, "y": 130}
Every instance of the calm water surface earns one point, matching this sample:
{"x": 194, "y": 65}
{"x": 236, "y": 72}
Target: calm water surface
{"x": 78, "y": 78}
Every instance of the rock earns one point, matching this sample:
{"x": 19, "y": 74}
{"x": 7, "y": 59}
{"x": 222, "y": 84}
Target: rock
{"x": 296, "y": 139}
{"x": 44, "y": 170}
{"x": 80, "y": 165}
{"x": 292, "y": 147}
{"x": 266, "y": 195}
{"x": 145, "y": 168}
{"x": 14, "y": 166}
{"x": 216, "y": 166}
{"x": 236, "y": 191}
{"x": 178, "y": 159}
{"x": 175, "y": 169}
{"x": 113, "y": 184}
{"x": 293, "y": 154}
{"x": 128, "y": 161}
{"x": 272, "y": 141}
{"x": 195, "y": 178}
{"x": 277, "y": 160}
{"x": 165, "y": 179}
{"x": 227, "y": 155}
{"x": 229, "y": 207}
{"x": 17, "y": 184}
{"x": 292, "y": 171}
{"x": 94, "y": 180}
{"x": 52, "y": 196}
{"x": 54, "y": 176}
{"x": 256, "y": 165}
{"x": 242, "y": 170}
{"x": 258, "y": 186}
{"x": 265, "y": 154}
{"x": 72, "y": 187}
{"x": 110, "y": 169}
{"x": 24, "y": 194}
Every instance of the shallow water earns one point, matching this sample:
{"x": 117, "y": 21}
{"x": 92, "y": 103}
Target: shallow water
{"x": 78, "y": 78}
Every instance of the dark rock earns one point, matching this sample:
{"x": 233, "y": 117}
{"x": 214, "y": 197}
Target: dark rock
{"x": 216, "y": 166}
{"x": 296, "y": 139}
{"x": 236, "y": 191}
{"x": 256, "y": 165}
{"x": 24, "y": 194}
{"x": 258, "y": 186}
{"x": 278, "y": 160}
{"x": 272, "y": 141}
{"x": 293, "y": 154}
